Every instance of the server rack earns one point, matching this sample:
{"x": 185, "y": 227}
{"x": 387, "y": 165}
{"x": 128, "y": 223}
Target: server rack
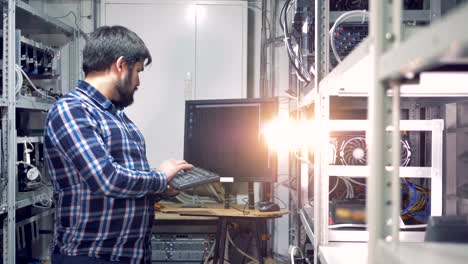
{"x": 20, "y": 20}
{"x": 384, "y": 69}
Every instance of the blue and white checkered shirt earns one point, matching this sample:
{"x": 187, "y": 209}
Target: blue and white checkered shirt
{"x": 102, "y": 181}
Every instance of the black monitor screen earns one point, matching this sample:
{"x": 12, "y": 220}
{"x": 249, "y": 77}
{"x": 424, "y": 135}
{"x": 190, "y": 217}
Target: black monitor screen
{"x": 224, "y": 136}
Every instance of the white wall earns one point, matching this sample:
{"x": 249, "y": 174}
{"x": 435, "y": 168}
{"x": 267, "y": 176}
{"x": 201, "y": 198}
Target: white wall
{"x": 84, "y": 16}
{"x": 84, "y": 8}
{"x": 253, "y": 54}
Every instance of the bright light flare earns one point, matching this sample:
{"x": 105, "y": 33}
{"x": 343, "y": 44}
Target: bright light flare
{"x": 195, "y": 13}
{"x": 284, "y": 134}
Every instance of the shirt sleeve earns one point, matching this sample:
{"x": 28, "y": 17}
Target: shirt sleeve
{"x": 75, "y": 134}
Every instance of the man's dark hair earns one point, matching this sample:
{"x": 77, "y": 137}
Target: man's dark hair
{"x": 107, "y": 43}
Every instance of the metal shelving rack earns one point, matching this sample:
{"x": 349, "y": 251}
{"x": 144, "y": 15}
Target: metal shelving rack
{"x": 378, "y": 69}
{"x": 18, "y": 15}
{"x": 434, "y": 172}
{"x": 383, "y": 110}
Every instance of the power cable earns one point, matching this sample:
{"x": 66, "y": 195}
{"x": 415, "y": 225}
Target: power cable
{"x": 75, "y": 20}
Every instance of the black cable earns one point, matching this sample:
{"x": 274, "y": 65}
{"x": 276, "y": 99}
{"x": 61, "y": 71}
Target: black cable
{"x": 285, "y": 206}
{"x": 298, "y": 57}
{"x": 69, "y": 12}
{"x": 293, "y": 57}
{"x": 287, "y": 37}
{"x": 245, "y": 212}
{"x": 281, "y": 15}
{"x": 74, "y": 15}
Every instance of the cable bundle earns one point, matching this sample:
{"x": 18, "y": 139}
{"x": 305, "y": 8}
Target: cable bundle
{"x": 19, "y": 82}
{"x": 419, "y": 205}
{"x": 302, "y": 72}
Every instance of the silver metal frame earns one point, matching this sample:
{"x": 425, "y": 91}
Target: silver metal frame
{"x": 14, "y": 11}
{"x": 8, "y": 129}
{"x": 408, "y": 15}
{"x": 434, "y": 172}
{"x": 56, "y": 26}
{"x": 363, "y": 236}
{"x": 446, "y": 45}
{"x": 322, "y": 25}
{"x": 378, "y": 65}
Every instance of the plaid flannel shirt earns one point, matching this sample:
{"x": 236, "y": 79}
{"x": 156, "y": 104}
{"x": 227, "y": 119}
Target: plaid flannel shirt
{"x": 102, "y": 181}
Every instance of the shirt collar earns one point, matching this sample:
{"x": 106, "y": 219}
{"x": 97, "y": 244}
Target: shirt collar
{"x": 95, "y": 95}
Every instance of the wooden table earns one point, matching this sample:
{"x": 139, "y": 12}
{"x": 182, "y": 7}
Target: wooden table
{"x": 224, "y": 216}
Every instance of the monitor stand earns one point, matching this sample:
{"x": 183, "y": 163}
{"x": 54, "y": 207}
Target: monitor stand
{"x": 226, "y": 181}
{"x": 227, "y": 200}
{"x": 251, "y": 195}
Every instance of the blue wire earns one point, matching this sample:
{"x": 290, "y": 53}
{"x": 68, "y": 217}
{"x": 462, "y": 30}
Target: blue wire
{"x": 428, "y": 207}
{"x": 427, "y": 211}
{"x": 413, "y": 201}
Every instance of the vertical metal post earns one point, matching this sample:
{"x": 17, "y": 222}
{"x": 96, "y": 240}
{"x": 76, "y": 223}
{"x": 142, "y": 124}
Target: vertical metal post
{"x": 322, "y": 40}
{"x": 383, "y": 195}
{"x": 450, "y": 149}
{"x": 77, "y": 65}
{"x": 322, "y": 25}
{"x": 263, "y": 60}
{"x": 97, "y": 6}
{"x": 436, "y": 172}
{"x": 73, "y": 66}
{"x": 395, "y": 192}
{"x": 375, "y": 136}
{"x": 397, "y": 23}
{"x": 271, "y": 47}
{"x": 8, "y": 128}
{"x": 303, "y": 194}
{"x": 78, "y": 36}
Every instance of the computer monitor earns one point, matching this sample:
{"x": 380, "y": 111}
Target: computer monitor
{"x": 224, "y": 136}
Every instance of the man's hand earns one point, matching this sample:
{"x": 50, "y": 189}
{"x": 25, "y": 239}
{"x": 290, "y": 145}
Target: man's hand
{"x": 171, "y": 167}
{"x": 171, "y": 191}
{"x": 168, "y": 193}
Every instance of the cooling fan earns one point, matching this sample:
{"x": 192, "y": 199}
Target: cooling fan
{"x": 405, "y": 153}
{"x": 353, "y": 151}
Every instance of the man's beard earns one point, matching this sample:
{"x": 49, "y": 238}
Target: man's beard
{"x": 125, "y": 93}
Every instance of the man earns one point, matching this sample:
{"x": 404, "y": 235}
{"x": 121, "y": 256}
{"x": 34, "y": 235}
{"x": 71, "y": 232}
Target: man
{"x": 97, "y": 161}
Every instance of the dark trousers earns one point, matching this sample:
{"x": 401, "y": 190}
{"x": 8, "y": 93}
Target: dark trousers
{"x": 58, "y": 258}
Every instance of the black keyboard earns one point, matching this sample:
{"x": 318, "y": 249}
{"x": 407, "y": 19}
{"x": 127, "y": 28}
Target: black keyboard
{"x": 193, "y": 177}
